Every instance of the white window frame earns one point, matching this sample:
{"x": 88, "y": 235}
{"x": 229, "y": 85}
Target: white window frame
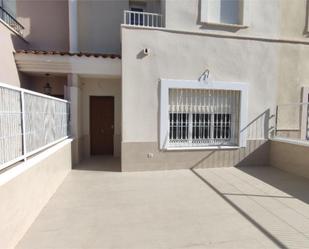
{"x": 166, "y": 84}
{"x": 245, "y": 14}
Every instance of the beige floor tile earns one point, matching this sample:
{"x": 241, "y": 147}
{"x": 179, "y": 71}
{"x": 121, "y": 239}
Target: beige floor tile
{"x": 208, "y": 208}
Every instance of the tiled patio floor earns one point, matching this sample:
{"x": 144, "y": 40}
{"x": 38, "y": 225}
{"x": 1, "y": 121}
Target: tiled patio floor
{"x": 210, "y": 208}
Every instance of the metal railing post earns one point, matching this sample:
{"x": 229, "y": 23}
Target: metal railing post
{"x": 276, "y": 119}
{"x": 23, "y": 123}
{"x": 307, "y": 125}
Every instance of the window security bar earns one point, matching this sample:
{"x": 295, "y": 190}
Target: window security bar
{"x": 29, "y": 123}
{"x": 203, "y": 117}
{"x": 144, "y": 19}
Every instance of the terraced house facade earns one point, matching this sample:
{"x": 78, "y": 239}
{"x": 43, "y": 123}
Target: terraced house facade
{"x": 162, "y": 84}
{"x": 159, "y": 84}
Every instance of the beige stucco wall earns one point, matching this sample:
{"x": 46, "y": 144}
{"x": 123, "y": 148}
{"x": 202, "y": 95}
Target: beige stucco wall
{"x": 9, "y": 42}
{"x": 263, "y": 18}
{"x": 45, "y": 22}
{"x": 25, "y": 190}
{"x": 175, "y": 55}
{"x": 99, "y": 25}
{"x": 100, "y": 87}
{"x": 290, "y": 157}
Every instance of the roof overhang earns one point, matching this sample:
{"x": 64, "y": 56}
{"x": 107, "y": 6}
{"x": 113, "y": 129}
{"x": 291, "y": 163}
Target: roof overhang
{"x": 84, "y": 64}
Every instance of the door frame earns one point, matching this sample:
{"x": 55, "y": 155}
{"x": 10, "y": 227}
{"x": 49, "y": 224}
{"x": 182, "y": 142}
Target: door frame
{"x": 90, "y": 122}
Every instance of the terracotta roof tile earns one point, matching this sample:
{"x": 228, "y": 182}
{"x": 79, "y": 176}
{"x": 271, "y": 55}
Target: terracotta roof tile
{"x": 62, "y": 53}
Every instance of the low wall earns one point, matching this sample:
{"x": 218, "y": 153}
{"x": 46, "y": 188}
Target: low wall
{"x": 26, "y": 188}
{"x": 142, "y": 156}
{"x": 291, "y": 157}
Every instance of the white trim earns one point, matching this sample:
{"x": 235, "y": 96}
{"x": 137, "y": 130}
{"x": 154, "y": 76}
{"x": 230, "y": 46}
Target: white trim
{"x": 202, "y": 148}
{"x": 228, "y": 25}
{"x": 214, "y": 7}
{"x": 166, "y": 84}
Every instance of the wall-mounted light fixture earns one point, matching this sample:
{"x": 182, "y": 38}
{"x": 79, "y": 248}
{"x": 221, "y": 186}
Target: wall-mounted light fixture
{"x": 47, "y": 88}
{"x": 205, "y": 75}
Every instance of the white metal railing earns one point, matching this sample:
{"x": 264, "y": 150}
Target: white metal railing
{"x": 144, "y": 19}
{"x": 292, "y": 121}
{"x": 29, "y": 122}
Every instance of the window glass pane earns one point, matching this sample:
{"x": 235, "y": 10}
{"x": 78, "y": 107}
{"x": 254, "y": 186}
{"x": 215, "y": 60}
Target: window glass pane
{"x": 230, "y": 11}
{"x": 223, "y": 11}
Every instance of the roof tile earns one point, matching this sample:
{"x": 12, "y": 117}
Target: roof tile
{"x": 62, "y": 53}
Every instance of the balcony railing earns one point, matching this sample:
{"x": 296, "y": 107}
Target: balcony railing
{"x": 292, "y": 121}
{"x": 10, "y": 20}
{"x": 144, "y": 19}
{"x": 29, "y": 123}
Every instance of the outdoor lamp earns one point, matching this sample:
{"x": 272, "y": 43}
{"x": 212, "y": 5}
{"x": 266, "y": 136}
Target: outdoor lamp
{"x": 47, "y": 88}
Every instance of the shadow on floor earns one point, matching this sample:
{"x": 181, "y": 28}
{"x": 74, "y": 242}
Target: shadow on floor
{"x": 100, "y": 163}
{"x": 293, "y": 185}
{"x": 240, "y": 211}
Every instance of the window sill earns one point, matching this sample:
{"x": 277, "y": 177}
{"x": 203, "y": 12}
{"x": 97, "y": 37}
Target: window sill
{"x": 225, "y": 147}
{"x": 227, "y": 25}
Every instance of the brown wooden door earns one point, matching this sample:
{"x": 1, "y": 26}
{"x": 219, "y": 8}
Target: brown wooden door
{"x": 101, "y": 125}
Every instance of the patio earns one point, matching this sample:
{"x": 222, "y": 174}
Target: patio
{"x": 252, "y": 207}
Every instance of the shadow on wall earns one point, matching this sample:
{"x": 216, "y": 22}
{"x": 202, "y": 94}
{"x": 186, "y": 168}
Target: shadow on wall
{"x": 46, "y": 23}
{"x": 17, "y": 43}
{"x": 306, "y": 29}
{"x": 256, "y": 153}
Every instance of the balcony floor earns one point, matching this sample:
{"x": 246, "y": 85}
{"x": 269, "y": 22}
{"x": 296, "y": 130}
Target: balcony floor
{"x": 207, "y": 208}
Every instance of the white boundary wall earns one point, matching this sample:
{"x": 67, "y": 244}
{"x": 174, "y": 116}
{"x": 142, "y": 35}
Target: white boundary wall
{"x": 26, "y": 188}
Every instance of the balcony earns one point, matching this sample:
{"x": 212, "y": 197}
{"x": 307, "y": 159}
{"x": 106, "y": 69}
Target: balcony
{"x": 10, "y": 21}
{"x": 143, "y": 19}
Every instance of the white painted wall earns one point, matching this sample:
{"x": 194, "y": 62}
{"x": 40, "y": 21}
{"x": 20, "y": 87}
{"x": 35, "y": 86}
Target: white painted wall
{"x": 186, "y": 56}
{"x": 26, "y": 188}
{"x": 100, "y": 87}
{"x": 9, "y": 42}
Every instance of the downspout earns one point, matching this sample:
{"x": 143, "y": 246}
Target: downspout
{"x": 73, "y": 25}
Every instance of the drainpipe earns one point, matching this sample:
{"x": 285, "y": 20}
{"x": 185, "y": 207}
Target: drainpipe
{"x": 73, "y": 25}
